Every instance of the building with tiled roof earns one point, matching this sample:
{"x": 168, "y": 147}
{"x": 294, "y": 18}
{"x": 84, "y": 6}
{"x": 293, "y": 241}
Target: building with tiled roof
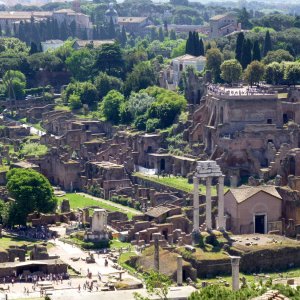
{"x": 221, "y": 25}
{"x": 179, "y": 64}
{"x": 9, "y": 18}
{"x": 253, "y": 209}
{"x": 133, "y": 24}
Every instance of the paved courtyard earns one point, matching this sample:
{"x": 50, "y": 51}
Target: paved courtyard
{"x": 79, "y": 285}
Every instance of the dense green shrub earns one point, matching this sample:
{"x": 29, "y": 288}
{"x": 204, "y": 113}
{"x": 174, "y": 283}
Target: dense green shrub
{"x": 152, "y": 124}
{"x": 214, "y": 292}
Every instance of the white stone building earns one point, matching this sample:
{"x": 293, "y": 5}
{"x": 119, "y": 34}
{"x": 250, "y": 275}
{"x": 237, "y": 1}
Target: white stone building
{"x": 182, "y": 62}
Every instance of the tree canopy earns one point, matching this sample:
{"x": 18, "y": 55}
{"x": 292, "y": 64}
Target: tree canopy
{"x": 31, "y": 191}
{"x": 231, "y": 71}
{"x": 254, "y": 72}
{"x": 214, "y": 59}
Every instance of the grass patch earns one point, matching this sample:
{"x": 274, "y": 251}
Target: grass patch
{"x": 34, "y": 149}
{"x": 85, "y": 244}
{"x": 4, "y": 168}
{"x": 179, "y": 183}
{"x": 62, "y": 107}
{"x": 79, "y": 201}
{"x": 115, "y": 243}
{"x": 124, "y": 258}
{"x": 7, "y": 241}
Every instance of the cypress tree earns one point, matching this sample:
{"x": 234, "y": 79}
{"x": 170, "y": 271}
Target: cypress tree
{"x": 56, "y": 31}
{"x": 196, "y": 42}
{"x": 246, "y": 53}
{"x": 111, "y": 29}
{"x": 267, "y": 43}
{"x": 63, "y": 31}
{"x": 33, "y": 48}
{"x": 123, "y": 36}
{"x": 0, "y": 30}
{"x": 49, "y": 27}
{"x": 14, "y": 30}
{"x": 239, "y": 46}
{"x": 7, "y": 29}
{"x": 189, "y": 44}
{"x": 256, "y": 51}
{"x": 192, "y": 44}
{"x": 73, "y": 27}
{"x": 172, "y": 35}
{"x": 202, "y": 52}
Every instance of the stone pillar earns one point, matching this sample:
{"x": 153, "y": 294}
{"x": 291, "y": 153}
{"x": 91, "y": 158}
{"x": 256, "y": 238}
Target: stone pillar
{"x": 196, "y": 205}
{"x": 208, "y": 204}
{"x": 179, "y": 270}
{"x": 221, "y": 217}
{"x": 235, "y": 266}
{"x": 156, "y": 237}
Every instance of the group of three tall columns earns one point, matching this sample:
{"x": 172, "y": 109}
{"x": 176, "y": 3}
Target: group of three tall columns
{"x": 208, "y": 170}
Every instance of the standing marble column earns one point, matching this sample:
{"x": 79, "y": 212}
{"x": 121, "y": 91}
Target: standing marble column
{"x": 156, "y": 237}
{"x": 208, "y": 204}
{"x": 221, "y": 217}
{"x": 179, "y": 270}
{"x": 196, "y": 205}
{"x": 235, "y": 266}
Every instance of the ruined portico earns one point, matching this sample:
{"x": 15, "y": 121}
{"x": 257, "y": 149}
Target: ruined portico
{"x": 208, "y": 170}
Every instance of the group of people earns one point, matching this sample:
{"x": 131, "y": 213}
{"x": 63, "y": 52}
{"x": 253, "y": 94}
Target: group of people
{"x": 218, "y": 90}
{"x": 56, "y": 278}
{"x": 39, "y": 232}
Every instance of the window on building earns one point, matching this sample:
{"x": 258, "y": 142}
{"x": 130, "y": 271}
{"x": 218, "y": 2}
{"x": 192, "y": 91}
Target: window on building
{"x": 269, "y": 121}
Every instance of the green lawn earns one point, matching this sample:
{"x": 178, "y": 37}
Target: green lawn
{"x": 79, "y": 201}
{"x": 179, "y": 183}
{"x": 124, "y": 257}
{"x": 115, "y": 243}
{"x": 6, "y": 241}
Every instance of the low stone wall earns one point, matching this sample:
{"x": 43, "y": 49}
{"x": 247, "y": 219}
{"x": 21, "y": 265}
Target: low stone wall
{"x": 268, "y": 260}
{"x": 260, "y": 261}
